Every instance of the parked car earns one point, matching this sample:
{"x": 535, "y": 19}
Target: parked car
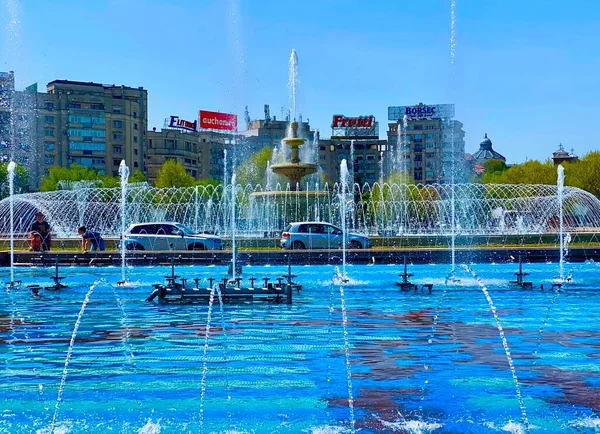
{"x": 166, "y": 236}
{"x": 319, "y": 235}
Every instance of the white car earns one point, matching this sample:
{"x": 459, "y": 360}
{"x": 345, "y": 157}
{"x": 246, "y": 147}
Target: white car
{"x": 168, "y": 236}
{"x": 320, "y": 235}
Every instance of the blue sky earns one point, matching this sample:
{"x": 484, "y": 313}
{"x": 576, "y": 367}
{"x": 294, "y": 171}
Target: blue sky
{"x": 525, "y": 72}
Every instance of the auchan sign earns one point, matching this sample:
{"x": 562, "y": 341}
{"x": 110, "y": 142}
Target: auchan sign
{"x": 341, "y": 121}
{"x": 218, "y": 121}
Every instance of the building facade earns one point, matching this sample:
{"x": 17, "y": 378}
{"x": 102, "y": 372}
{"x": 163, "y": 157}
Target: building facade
{"x": 200, "y": 152}
{"x": 90, "y": 124}
{"x": 426, "y": 143}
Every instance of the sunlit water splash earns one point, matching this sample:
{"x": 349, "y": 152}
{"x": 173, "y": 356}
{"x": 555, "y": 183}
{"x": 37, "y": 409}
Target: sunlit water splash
{"x": 347, "y": 358}
{"x": 511, "y": 365}
{"x": 205, "y": 357}
{"x": 63, "y": 379}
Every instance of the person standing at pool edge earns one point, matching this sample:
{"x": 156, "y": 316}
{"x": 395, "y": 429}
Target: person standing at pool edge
{"x": 92, "y": 237}
{"x": 40, "y": 233}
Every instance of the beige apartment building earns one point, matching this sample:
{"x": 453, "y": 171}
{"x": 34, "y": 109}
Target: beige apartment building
{"x": 427, "y": 143}
{"x": 201, "y": 152}
{"x": 91, "y": 124}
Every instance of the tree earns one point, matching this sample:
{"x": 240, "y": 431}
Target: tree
{"x": 254, "y": 170}
{"x": 138, "y": 176}
{"x": 20, "y": 181}
{"x": 173, "y": 174}
{"x": 530, "y": 172}
{"x": 73, "y": 174}
{"x": 584, "y": 173}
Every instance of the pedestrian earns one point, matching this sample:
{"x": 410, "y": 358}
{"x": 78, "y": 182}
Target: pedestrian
{"x": 40, "y": 235}
{"x": 90, "y": 237}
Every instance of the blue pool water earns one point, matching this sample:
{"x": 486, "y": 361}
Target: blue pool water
{"x": 415, "y": 362}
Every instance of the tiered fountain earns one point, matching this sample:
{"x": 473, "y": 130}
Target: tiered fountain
{"x": 294, "y": 171}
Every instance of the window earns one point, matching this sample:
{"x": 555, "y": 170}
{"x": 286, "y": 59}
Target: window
{"x": 85, "y": 132}
{"x": 117, "y": 149}
{"x": 117, "y": 163}
{"x": 135, "y": 151}
{"x": 418, "y": 137}
{"x": 75, "y": 105}
{"x": 429, "y": 136}
{"x": 49, "y": 159}
{"x": 49, "y": 106}
{"x": 135, "y": 164}
{"x": 49, "y": 119}
{"x": 86, "y": 146}
{"x": 96, "y": 106}
{"x": 117, "y": 136}
{"x": 87, "y": 119}
{"x": 188, "y": 146}
{"x": 49, "y": 146}
{"x": 135, "y": 114}
{"x": 150, "y": 143}
{"x": 135, "y": 126}
{"x": 118, "y": 124}
{"x": 49, "y": 132}
{"x": 135, "y": 139}
{"x": 430, "y": 145}
{"x": 117, "y": 109}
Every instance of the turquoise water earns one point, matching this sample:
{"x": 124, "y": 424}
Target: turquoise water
{"x": 419, "y": 362}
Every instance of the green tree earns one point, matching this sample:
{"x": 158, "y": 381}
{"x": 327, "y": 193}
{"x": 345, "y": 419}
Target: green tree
{"x": 173, "y": 174}
{"x": 530, "y": 172}
{"x": 74, "y": 173}
{"x": 584, "y": 173}
{"x": 20, "y": 182}
{"x": 254, "y": 170}
{"x": 138, "y": 176}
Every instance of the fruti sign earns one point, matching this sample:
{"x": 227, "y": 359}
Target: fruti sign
{"x": 341, "y": 121}
{"x": 183, "y": 124}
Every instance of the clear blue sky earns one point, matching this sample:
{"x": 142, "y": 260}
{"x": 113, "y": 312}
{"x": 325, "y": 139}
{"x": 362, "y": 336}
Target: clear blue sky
{"x": 527, "y": 72}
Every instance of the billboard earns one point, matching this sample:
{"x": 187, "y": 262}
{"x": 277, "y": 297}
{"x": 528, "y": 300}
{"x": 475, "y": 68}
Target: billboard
{"x": 421, "y": 111}
{"x": 217, "y": 121}
{"x": 360, "y": 127}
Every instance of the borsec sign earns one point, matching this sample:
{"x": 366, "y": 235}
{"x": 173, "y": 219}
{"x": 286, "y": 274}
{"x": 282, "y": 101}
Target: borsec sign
{"x": 421, "y": 111}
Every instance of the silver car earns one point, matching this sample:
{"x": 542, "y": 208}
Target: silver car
{"x": 167, "y": 236}
{"x": 319, "y": 235}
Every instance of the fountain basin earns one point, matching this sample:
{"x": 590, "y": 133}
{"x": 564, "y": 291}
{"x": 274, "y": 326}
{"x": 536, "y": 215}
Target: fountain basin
{"x": 138, "y": 365}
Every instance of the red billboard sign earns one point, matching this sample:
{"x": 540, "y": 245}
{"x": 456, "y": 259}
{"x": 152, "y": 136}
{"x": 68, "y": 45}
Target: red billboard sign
{"x": 218, "y": 121}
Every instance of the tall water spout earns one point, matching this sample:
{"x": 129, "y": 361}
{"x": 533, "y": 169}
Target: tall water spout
{"x": 293, "y": 81}
{"x": 352, "y": 171}
{"x": 124, "y": 173}
{"x": 453, "y": 152}
{"x": 11, "y": 187}
{"x": 344, "y": 183}
{"x": 233, "y": 249}
{"x": 560, "y": 193}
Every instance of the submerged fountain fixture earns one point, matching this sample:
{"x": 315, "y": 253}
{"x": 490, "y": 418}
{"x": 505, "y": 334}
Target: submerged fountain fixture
{"x": 407, "y": 285}
{"x": 57, "y": 279}
{"x": 520, "y": 282}
{"x": 230, "y": 289}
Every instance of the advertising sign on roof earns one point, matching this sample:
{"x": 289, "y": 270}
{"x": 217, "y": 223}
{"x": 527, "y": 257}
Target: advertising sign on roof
{"x": 421, "y": 111}
{"x": 218, "y": 121}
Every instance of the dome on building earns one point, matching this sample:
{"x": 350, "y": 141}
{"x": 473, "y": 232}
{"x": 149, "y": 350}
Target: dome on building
{"x": 486, "y": 152}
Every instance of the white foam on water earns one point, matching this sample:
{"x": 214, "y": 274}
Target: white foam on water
{"x": 150, "y": 427}
{"x": 412, "y": 426}
{"x": 328, "y": 429}
{"x": 586, "y": 422}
